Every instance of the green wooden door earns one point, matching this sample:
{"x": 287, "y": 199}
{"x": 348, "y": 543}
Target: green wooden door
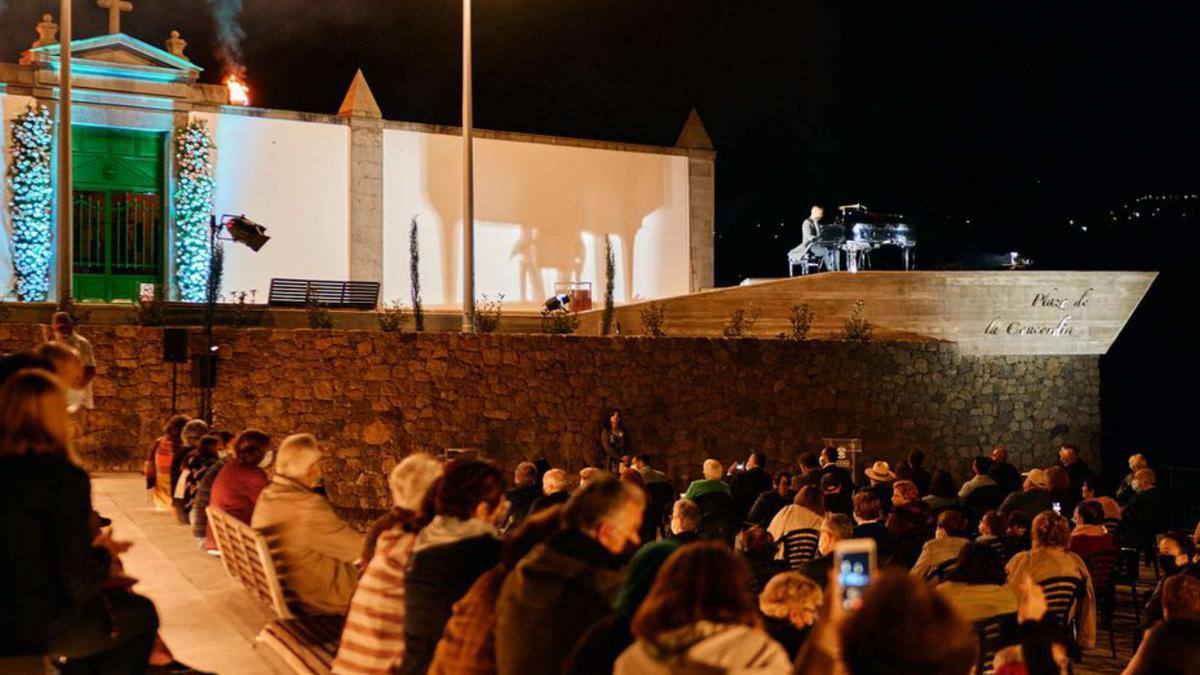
{"x": 119, "y": 211}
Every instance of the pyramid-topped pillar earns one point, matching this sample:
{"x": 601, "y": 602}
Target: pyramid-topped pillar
{"x": 702, "y": 192}
{"x": 364, "y": 118}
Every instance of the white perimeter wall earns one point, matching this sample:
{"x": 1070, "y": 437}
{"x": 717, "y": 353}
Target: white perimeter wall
{"x": 10, "y": 107}
{"x": 541, "y": 214}
{"x": 291, "y": 177}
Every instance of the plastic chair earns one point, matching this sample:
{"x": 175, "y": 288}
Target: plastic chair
{"x": 994, "y": 633}
{"x": 799, "y": 546}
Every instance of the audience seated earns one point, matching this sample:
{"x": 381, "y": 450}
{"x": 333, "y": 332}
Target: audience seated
{"x": 790, "y": 603}
{"x": 909, "y": 524}
{"x": 836, "y": 501}
{"x": 699, "y": 613}
{"x": 468, "y": 644}
{"x": 1176, "y": 553}
{"x": 880, "y": 477}
{"x": 992, "y": 528}
{"x": 1048, "y": 558}
{"x": 980, "y": 467}
{"x": 810, "y": 472}
{"x": 976, "y": 585}
{"x": 157, "y": 467}
{"x": 1033, "y": 498}
{"x": 1145, "y": 514}
{"x": 1016, "y": 532}
{"x": 942, "y": 493}
{"x": 920, "y": 477}
{"x": 203, "y": 498}
{"x": 758, "y": 547}
{"x": 236, "y": 488}
{"x": 1125, "y": 490}
{"x": 868, "y": 519}
{"x": 828, "y": 460}
{"x": 569, "y": 582}
{"x": 1076, "y": 468}
{"x": 1093, "y": 492}
{"x": 1005, "y": 474}
{"x": 62, "y": 590}
{"x": 313, "y": 548}
{"x": 710, "y": 483}
{"x": 190, "y": 437}
{"x": 598, "y": 649}
{"x": 904, "y": 627}
{"x": 1172, "y": 646}
{"x": 1060, "y": 489}
{"x": 772, "y": 501}
{"x": 1089, "y": 536}
{"x": 196, "y": 466}
{"x": 685, "y": 521}
{"x": 948, "y": 540}
{"x": 649, "y": 473}
{"x": 746, "y": 484}
{"x": 835, "y": 527}
{"x": 554, "y": 491}
{"x": 458, "y": 545}
{"x": 804, "y": 513}
{"x": 373, "y": 637}
{"x": 522, "y": 494}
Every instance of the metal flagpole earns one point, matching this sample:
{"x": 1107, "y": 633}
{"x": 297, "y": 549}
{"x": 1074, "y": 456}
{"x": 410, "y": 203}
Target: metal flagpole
{"x": 468, "y": 194}
{"x": 65, "y": 259}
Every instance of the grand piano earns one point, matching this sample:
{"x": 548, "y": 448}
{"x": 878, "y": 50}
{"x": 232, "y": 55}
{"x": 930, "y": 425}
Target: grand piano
{"x": 857, "y": 231}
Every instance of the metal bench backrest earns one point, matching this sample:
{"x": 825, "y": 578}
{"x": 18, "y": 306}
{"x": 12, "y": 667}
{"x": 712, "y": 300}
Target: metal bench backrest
{"x": 332, "y": 294}
{"x": 799, "y": 546}
{"x": 245, "y": 555}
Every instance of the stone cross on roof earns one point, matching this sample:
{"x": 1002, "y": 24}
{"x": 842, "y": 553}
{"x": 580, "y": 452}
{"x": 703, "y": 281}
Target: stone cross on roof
{"x": 114, "y": 7}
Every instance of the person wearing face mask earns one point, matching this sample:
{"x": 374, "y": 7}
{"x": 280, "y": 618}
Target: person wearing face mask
{"x": 314, "y": 549}
{"x": 569, "y": 582}
{"x": 1175, "y": 556}
{"x": 460, "y": 544}
{"x": 834, "y": 528}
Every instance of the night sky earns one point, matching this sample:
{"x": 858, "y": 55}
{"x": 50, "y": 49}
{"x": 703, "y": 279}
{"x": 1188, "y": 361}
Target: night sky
{"x": 993, "y": 124}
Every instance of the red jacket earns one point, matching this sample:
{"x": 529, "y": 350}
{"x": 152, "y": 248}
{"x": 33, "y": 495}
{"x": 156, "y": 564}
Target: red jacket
{"x": 235, "y": 491}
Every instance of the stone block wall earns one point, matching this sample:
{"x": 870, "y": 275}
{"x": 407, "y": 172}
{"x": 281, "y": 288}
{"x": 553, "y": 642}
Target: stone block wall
{"x": 373, "y": 397}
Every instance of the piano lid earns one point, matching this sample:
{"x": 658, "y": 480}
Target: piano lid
{"x": 852, "y": 214}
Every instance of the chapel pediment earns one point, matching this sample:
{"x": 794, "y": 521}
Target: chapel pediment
{"x": 117, "y": 56}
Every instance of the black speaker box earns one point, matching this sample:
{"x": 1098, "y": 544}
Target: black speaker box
{"x": 175, "y": 345}
{"x": 204, "y": 370}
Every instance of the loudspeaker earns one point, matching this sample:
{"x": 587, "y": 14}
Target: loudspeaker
{"x": 204, "y": 371}
{"x": 175, "y": 345}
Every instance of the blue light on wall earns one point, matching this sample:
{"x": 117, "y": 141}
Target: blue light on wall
{"x": 193, "y": 206}
{"x": 31, "y": 206}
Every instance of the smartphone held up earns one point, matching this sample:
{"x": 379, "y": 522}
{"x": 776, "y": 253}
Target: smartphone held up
{"x": 854, "y": 560}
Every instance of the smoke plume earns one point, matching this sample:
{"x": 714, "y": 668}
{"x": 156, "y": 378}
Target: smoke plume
{"x": 229, "y": 34}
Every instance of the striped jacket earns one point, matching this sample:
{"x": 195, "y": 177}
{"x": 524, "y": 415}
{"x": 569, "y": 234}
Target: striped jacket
{"x": 373, "y": 639}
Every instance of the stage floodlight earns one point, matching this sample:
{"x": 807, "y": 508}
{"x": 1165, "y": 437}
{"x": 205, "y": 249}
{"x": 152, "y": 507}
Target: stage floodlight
{"x": 246, "y": 231}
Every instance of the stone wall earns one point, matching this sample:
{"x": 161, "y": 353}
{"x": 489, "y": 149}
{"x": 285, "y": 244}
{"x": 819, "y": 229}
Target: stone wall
{"x": 372, "y": 397}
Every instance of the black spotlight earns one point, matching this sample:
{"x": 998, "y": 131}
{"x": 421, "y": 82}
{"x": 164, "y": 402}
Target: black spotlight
{"x": 557, "y": 302}
{"x": 246, "y": 231}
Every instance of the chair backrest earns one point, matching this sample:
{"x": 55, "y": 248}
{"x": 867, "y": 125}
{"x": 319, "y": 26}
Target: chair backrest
{"x": 245, "y": 555}
{"x": 1101, "y": 567}
{"x": 994, "y": 633}
{"x": 799, "y": 546}
{"x": 1125, "y": 567}
{"x": 1112, "y": 526}
{"x": 938, "y": 573}
{"x": 997, "y": 544}
{"x": 1062, "y": 595}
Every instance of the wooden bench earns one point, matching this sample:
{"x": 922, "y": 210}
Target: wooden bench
{"x": 331, "y": 294}
{"x": 306, "y": 643}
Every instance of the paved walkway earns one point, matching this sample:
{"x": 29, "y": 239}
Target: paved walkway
{"x": 208, "y": 620}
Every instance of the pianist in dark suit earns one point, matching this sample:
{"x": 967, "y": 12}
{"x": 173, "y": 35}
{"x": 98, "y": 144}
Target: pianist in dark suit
{"x": 810, "y": 231}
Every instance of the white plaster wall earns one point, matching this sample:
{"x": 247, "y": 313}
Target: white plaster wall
{"x": 291, "y": 177}
{"x": 10, "y": 107}
{"x": 541, "y": 214}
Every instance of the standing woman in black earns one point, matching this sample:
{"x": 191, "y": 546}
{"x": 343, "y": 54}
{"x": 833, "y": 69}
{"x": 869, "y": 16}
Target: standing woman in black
{"x": 614, "y": 441}
{"x": 55, "y": 572}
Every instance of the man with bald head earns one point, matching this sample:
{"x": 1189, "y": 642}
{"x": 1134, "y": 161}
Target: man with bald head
{"x": 554, "y": 491}
{"x": 1005, "y": 474}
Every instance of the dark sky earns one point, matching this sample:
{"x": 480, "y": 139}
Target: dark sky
{"x": 1013, "y": 115}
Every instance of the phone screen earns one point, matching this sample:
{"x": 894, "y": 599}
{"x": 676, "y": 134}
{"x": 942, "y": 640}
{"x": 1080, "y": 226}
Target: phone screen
{"x": 1057, "y": 506}
{"x": 854, "y": 574}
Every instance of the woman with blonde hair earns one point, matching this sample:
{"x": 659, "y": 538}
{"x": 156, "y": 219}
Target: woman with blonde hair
{"x": 699, "y": 615}
{"x": 791, "y": 603}
{"x": 55, "y": 599}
